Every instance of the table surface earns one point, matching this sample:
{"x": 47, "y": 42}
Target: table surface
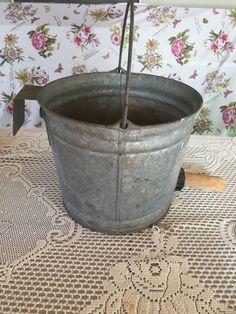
{"x": 185, "y": 263}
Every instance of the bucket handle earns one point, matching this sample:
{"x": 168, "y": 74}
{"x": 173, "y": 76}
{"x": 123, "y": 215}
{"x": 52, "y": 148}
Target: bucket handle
{"x": 130, "y": 4}
{"x": 119, "y": 69}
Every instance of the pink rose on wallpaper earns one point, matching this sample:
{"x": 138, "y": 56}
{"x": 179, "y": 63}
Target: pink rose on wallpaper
{"x": 38, "y": 41}
{"x": 177, "y": 48}
{"x": 180, "y": 47}
{"x": 228, "y": 116}
{"x": 115, "y": 39}
{"x": 42, "y": 40}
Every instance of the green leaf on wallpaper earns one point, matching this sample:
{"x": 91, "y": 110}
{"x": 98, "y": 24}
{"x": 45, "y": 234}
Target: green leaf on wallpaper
{"x": 31, "y": 33}
{"x": 185, "y": 37}
{"x": 232, "y": 17}
{"x": 222, "y": 108}
{"x": 171, "y": 39}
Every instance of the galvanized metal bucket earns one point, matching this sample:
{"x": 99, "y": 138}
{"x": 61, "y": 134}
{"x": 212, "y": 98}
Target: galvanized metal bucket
{"x": 118, "y": 168}
{"x": 112, "y": 179}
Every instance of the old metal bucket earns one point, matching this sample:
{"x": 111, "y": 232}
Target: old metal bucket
{"x": 112, "y": 179}
{"x": 117, "y": 168}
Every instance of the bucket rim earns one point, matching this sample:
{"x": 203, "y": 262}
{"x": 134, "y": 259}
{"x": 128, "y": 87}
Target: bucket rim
{"x": 116, "y": 125}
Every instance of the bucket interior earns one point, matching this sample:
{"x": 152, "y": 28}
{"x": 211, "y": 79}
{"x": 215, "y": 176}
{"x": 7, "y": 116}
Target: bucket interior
{"x": 108, "y": 110}
{"x": 99, "y": 97}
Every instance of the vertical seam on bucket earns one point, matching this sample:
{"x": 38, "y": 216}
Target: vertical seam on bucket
{"x": 119, "y": 164}
{"x": 119, "y": 177}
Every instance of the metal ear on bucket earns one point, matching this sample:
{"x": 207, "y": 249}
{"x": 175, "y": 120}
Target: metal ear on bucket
{"x": 118, "y": 139}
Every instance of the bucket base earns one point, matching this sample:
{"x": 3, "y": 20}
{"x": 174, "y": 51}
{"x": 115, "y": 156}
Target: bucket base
{"x": 111, "y": 227}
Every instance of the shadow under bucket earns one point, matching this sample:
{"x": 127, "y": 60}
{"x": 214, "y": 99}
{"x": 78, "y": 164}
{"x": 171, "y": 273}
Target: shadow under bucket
{"x": 118, "y": 180}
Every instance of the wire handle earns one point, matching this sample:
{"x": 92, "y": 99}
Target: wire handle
{"x": 119, "y": 68}
{"x": 130, "y": 4}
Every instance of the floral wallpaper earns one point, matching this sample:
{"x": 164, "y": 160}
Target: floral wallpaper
{"x": 43, "y": 42}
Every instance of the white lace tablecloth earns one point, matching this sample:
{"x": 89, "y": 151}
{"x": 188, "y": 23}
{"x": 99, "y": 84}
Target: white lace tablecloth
{"x": 41, "y": 42}
{"x": 186, "y": 263}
